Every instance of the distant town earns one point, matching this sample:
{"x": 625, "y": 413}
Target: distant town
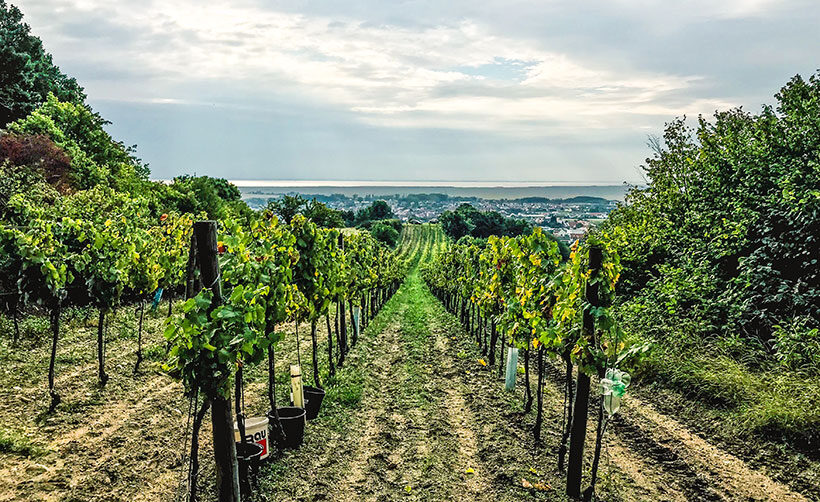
{"x": 568, "y": 219}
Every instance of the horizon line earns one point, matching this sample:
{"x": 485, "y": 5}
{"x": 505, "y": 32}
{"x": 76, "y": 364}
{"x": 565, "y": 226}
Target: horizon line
{"x": 431, "y": 184}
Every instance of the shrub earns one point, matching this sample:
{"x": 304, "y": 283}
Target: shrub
{"x": 797, "y": 346}
{"x": 385, "y": 233}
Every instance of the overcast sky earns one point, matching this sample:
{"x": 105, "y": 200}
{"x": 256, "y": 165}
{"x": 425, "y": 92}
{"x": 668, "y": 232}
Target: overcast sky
{"x": 419, "y": 90}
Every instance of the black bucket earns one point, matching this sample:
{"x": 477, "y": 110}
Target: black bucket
{"x": 293, "y": 425}
{"x": 247, "y": 455}
{"x": 313, "y": 401}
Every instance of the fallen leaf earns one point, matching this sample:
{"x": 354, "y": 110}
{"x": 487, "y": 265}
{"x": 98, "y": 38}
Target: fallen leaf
{"x": 482, "y": 362}
{"x": 541, "y": 487}
{"x": 469, "y": 470}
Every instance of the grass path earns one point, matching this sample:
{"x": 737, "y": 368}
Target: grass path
{"x": 424, "y": 428}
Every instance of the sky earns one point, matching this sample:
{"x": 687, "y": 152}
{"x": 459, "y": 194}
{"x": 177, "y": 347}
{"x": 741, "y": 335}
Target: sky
{"x": 487, "y": 90}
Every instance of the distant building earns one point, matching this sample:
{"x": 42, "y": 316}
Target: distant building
{"x": 577, "y": 233}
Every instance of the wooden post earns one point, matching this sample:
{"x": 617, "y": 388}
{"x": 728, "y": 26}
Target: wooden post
{"x": 539, "y": 415}
{"x": 227, "y": 472}
{"x": 527, "y": 391}
{"x": 139, "y": 337}
{"x": 343, "y": 331}
{"x": 191, "y": 289}
{"x": 493, "y": 338}
{"x": 102, "y": 375}
{"x": 316, "y": 380}
{"x": 332, "y": 370}
{"x": 580, "y": 411}
{"x": 55, "y": 335}
{"x": 354, "y": 325}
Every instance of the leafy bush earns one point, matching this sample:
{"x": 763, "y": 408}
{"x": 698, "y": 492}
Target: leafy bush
{"x": 724, "y": 234}
{"x": 797, "y": 346}
{"x": 385, "y": 233}
{"x": 96, "y": 158}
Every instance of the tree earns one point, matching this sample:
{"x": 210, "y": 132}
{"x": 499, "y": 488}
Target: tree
{"x": 34, "y": 167}
{"x": 467, "y": 220}
{"x": 287, "y": 207}
{"x": 224, "y": 189}
{"x": 383, "y": 232}
{"x": 455, "y": 224}
{"x": 487, "y": 223}
{"x": 516, "y": 226}
{"x": 378, "y": 210}
{"x": 39, "y": 154}
{"x": 96, "y": 158}
{"x": 27, "y": 73}
{"x": 349, "y": 217}
{"x": 195, "y": 194}
{"x": 319, "y": 213}
{"x": 720, "y": 241}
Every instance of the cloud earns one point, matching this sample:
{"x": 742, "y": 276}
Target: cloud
{"x": 387, "y": 74}
{"x": 520, "y": 72}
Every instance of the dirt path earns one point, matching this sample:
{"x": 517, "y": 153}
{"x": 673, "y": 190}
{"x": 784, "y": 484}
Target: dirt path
{"x": 711, "y": 473}
{"x": 103, "y": 442}
{"x": 412, "y": 437}
{"x": 662, "y": 460}
{"x": 418, "y": 438}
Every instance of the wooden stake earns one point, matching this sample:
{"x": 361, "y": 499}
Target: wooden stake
{"x": 227, "y": 471}
{"x": 580, "y": 410}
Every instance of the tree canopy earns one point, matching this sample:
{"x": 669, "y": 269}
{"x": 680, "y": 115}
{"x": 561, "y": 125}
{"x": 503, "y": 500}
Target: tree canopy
{"x": 319, "y": 213}
{"x": 723, "y": 239}
{"x": 467, "y": 220}
{"x": 27, "y": 72}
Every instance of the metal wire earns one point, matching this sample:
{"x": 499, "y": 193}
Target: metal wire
{"x": 183, "y": 490}
{"x": 216, "y": 280}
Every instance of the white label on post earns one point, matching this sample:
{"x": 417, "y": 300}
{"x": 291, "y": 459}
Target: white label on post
{"x": 297, "y": 393}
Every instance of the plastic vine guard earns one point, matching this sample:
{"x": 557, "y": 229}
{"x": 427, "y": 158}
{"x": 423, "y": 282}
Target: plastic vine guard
{"x": 613, "y": 387}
